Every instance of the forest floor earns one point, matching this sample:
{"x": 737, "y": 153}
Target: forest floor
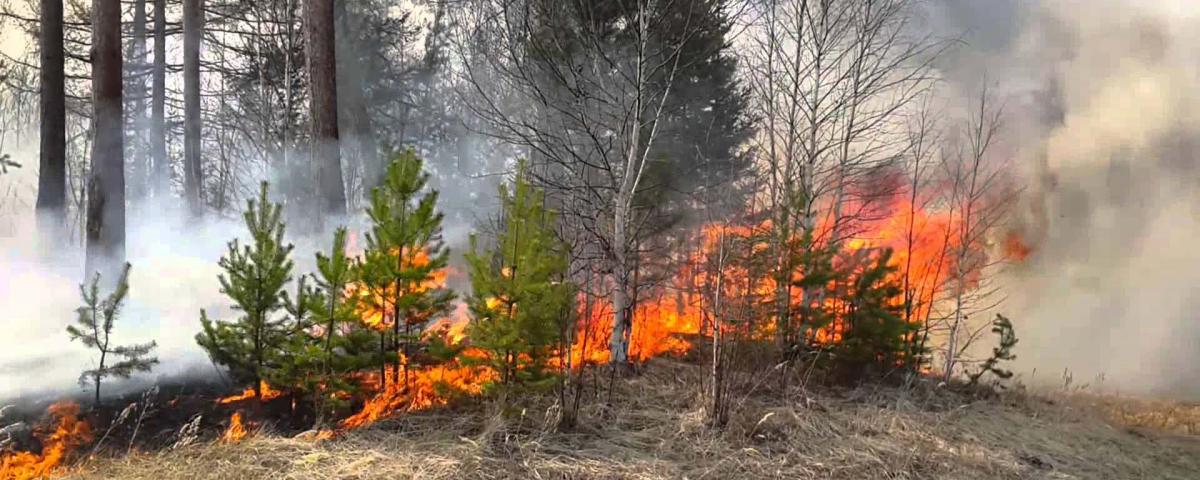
{"x": 655, "y": 428}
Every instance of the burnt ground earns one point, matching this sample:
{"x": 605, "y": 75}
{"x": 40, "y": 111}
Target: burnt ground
{"x": 175, "y": 411}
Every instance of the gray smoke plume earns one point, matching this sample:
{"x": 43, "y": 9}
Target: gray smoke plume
{"x": 1101, "y": 100}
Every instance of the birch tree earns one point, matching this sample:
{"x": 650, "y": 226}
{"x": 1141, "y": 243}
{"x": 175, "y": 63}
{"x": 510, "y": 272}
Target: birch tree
{"x": 979, "y": 196}
{"x": 832, "y": 81}
{"x": 586, "y": 87}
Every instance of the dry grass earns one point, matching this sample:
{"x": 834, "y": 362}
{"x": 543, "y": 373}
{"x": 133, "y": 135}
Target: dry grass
{"x": 657, "y": 430}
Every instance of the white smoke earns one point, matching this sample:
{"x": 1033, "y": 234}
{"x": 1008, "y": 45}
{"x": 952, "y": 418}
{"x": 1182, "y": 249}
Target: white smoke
{"x": 174, "y": 275}
{"x": 1102, "y": 98}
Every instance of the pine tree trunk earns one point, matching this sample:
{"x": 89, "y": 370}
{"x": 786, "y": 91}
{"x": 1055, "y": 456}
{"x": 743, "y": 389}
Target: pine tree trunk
{"x": 99, "y": 375}
{"x": 354, "y": 119}
{"x": 323, "y": 106}
{"x": 139, "y": 168}
{"x": 160, "y": 175}
{"x": 52, "y": 177}
{"x": 193, "y": 21}
{"x": 106, "y": 183}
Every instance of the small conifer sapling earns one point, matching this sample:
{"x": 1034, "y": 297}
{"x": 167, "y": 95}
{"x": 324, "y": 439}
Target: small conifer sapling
{"x": 94, "y": 328}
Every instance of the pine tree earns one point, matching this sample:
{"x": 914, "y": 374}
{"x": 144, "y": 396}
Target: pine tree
{"x": 328, "y": 340}
{"x": 94, "y": 328}
{"x": 520, "y": 292}
{"x": 1002, "y": 352}
{"x": 254, "y": 279}
{"x": 817, "y": 273}
{"x": 875, "y": 332}
{"x": 405, "y": 257}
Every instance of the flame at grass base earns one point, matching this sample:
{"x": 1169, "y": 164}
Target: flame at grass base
{"x": 70, "y": 433}
{"x": 268, "y": 393}
{"x": 236, "y": 431}
{"x": 426, "y": 387}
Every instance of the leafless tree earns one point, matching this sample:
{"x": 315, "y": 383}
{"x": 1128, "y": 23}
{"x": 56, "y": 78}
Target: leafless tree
{"x": 979, "y": 197}
{"x": 832, "y": 81}
{"x": 590, "y": 102}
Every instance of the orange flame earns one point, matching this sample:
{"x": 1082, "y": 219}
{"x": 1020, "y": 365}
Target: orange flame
{"x": 1015, "y": 248}
{"x": 375, "y": 305}
{"x": 452, "y": 329}
{"x": 922, "y": 241}
{"x": 236, "y": 431}
{"x": 268, "y": 394}
{"x": 70, "y": 433}
{"x": 426, "y": 388}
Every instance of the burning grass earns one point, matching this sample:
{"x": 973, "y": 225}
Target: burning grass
{"x": 420, "y": 389}
{"x": 70, "y": 431}
{"x": 656, "y": 430}
{"x": 267, "y": 393}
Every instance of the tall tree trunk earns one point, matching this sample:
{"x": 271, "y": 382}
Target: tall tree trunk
{"x": 138, "y": 168}
{"x": 160, "y": 176}
{"x": 323, "y": 106}
{"x": 52, "y": 177}
{"x": 106, "y": 183}
{"x": 354, "y": 120}
{"x": 193, "y": 21}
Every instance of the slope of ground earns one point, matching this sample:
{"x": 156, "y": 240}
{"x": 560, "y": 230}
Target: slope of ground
{"x": 655, "y": 429}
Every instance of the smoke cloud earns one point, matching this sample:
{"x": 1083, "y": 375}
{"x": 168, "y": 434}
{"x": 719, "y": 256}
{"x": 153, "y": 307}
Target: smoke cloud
{"x": 173, "y": 277}
{"x": 1101, "y": 102}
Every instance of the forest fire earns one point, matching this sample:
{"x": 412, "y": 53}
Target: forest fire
{"x": 70, "y": 432}
{"x": 922, "y": 244}
{"x": 663, "y": 319}
{"x": 375, "y": 305}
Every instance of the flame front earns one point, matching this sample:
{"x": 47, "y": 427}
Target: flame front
{"x": 70, "y": 433}
{"x": 427, "y": 387}
{"x": 923, "y": 243}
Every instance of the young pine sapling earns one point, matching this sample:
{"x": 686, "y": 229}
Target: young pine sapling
{"x": 254, "y": 279}
{"x": 520, "y": 292}
{"x": 1002, "y": 352}
{"x": 94, "y": 328}
{"x": 404, "y": 259}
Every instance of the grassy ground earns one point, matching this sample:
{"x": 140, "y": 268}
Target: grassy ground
{"x": 656, "y": 429}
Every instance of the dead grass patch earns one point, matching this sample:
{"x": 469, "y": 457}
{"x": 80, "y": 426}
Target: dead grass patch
{"x": 656, "y": 429}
